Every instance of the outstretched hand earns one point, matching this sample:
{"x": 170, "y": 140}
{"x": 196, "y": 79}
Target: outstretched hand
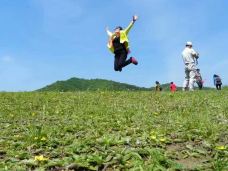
{"x": 135, "y": 17}
{"x": 109, "y": 32}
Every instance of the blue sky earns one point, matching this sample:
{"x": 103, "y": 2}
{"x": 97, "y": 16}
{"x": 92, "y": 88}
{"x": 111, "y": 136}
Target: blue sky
{"x": 42, "y": 41}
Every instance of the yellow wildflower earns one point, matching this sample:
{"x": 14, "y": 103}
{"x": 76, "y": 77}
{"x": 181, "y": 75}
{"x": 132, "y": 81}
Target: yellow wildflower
{"x": 17, "y": 136}
{"x": 40, "y": 158}
{"x": 222, "y": 147}
{"x": 153, "y": 137}
{"x": 43, "y": 139}
{"x": 36, "y": 138}
{"x": 162, "y": 139}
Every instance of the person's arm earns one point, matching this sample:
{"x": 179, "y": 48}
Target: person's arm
{"x": 135, "y": 17}
{"x": 109, "y": 33}
{"x": 195, "y": 54}
{"x": 110, "y": 44}
{"x": 110, "y": 40}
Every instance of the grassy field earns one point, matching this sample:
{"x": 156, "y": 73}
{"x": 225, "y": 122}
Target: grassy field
{"x": 114, "y": 131}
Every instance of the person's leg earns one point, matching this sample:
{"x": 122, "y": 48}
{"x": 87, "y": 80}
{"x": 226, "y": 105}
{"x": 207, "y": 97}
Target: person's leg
{"x": 217, "y": 86}
{"x": 201, "y": 86}
{"x": 116, "y": 62}
{"x": 220, "y": 87}
{"x": 122, "y": 60}
{"x": 192, "y": 76}
{"x": 200, "y": 83}
{"x": 191, "y": 80}
{"x": 134, "y": 61}
{"x": 186, "y": 81}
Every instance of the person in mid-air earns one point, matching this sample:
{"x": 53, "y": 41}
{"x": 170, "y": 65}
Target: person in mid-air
{"x": 173, "y": 87}
{"x": 217, "y": 82}
{"x": 119, "y": 45}
{"x": 190, "y": 57}
{"x": 158, "y": 86}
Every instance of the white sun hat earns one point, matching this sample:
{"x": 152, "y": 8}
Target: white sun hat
{"x": 189, "y": 43}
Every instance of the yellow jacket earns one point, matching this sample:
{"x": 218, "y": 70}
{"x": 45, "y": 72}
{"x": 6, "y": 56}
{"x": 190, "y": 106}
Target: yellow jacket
{"x": 123, "y": 37}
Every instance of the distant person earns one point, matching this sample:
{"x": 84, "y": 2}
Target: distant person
{"x": 199, "y": 79}
{"x": 158, "y": 86}
{"x": 217, "y": 82}
{"x": 119, "y": 45}
{"x": 173, "y": 87}
{"x": 190, "y": 57}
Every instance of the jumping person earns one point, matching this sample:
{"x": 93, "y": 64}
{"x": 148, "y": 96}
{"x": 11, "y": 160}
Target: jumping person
{"x": 190, "y": 57}
{"x": 119, "y": 45}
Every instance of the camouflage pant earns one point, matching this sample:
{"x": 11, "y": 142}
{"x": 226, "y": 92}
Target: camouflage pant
{"x": 190, "y": 75}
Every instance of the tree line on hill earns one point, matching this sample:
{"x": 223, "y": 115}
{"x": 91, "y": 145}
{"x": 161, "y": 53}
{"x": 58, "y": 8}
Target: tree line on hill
{"x": 78, "y": 84}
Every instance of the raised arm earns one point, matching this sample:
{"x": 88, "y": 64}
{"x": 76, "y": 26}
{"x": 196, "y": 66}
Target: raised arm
{"x": 135, "y": 17}
{"x": 109, "y": 33}
{"x": 110, "y": 44}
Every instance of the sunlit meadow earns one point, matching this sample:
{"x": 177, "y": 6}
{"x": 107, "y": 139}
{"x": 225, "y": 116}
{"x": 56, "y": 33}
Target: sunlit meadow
{"x": 104, "y": 130}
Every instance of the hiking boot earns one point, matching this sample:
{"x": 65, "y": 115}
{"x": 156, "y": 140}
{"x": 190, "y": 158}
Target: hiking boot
{"x": 134, "y": 61}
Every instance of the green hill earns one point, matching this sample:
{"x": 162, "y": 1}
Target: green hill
{"x": 78, "y": 84}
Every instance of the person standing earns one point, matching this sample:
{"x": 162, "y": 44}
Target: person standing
{"x": 217, "y": 82}
{"x": 190, "y": 57}
{"x": 199, "y": 79}
{"x": 158, "y": 86}
{"x": 119, "y": 45}
{"x": 173, "y": 87}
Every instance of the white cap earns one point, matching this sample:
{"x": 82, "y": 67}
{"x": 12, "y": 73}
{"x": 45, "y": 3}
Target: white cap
{"x": 189, "y": 43}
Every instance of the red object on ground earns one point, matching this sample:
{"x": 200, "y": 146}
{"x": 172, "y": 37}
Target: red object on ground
{"x": 173, "y": 87}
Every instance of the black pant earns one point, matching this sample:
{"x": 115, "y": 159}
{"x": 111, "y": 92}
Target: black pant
{"x": 200, "y": 84}
{"x": 218, "y": 86}
{"x": 120, "y": 60}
